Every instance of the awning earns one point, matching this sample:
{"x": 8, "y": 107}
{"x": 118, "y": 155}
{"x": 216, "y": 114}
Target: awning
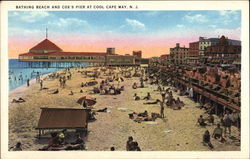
{"x": 62, "y": 118}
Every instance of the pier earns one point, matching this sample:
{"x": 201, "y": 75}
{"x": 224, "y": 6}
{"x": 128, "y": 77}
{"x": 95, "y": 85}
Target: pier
{"x": 47, "y": 54}
{"x": 44, "y": 64}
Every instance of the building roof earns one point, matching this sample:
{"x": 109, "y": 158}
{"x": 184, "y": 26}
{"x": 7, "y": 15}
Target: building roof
{"x": 164, "y": 56}
{"x": 60, "y": 118}
{"x": 196, "y": 42}
{"x": 66, "y": 53}
{"x": 213, "y": 39}
{"x": 45, "y": 45}
{"x": 216, "y": 40}
{"x": 179, "y": 48}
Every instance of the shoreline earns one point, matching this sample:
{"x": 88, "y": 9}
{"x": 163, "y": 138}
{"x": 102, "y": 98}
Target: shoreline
{"x": 23, "y": 86}
{"x": 10, "y": 91}
{"x": 31, "y": 80}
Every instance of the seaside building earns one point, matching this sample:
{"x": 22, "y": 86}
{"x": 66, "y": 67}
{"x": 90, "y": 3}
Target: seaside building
{"x": 179, "y": 54}
{"x": 224, "y": 52}
{"x": 204, "y": 43}
{"x": 163, "y": 57}
{"x": 193, "y": 53}
{"x": 138, "y": 56}
{"x": 197, "y": 49}
{"x": 47, "y": 52}
{"x": 111, "y": 51}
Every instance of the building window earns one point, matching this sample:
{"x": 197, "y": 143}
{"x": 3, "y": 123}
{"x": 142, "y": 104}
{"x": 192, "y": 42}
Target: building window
{"x": 40, "y": 57}
{"x": 53, "y": 58}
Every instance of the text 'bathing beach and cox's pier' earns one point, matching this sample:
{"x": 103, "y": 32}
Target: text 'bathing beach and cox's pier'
{"x": 77, "y": 7}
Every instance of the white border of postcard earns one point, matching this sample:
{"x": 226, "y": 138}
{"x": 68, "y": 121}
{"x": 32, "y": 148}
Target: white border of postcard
{"x": 146, "y": 5}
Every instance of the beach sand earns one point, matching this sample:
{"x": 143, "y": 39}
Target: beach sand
{"x": 114, "y": 127}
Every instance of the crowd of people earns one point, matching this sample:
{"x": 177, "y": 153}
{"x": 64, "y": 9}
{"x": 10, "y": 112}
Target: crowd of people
{"x": 59, "y": 142}
{"x": 226, "y": 121}
{"x": 106, "y": 88}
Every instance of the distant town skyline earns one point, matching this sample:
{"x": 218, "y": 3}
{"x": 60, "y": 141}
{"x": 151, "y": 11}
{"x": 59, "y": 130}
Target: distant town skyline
{"x": 152, "y": 32}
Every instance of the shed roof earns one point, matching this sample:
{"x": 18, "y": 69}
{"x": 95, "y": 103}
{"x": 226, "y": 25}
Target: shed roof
{"x": 60, "y": 118}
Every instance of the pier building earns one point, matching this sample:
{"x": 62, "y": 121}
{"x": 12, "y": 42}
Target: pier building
{"x": 47, "y": 52}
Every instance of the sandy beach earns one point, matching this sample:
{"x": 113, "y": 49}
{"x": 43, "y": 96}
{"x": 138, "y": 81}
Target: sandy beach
{"x": 178, "y": 131}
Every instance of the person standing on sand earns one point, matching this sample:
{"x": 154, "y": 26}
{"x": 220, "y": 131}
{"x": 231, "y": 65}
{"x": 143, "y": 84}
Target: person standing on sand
{"x": 163, "y": 94}
{"x": 28, "y": 82}
{"x": 60, "y": 81}
{"x": 227, "y": 122}
{"x": 64, "y": 81}
{"x": 41, "y": 84}
{"x": 162, "y": 109}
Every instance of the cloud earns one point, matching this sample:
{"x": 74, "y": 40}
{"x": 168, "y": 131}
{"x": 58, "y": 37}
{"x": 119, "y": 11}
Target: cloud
{"x": 24, "y": 32}
{"x": 230, "y": 33}
{"x": 69, "y": 25}
{"x": 198, "y": 18}
{"x": 135, "y": 24}
{"x": 65, "y": 22}
{"x": 12, "y": 14}
{"x": 212, "y": 26}
{"x": 228, "y": 12}
{"x": 29, "y": 17}
{"x": 152, "y": 13}
{"x": 229, "y": 16}
{"x": 180, "y": 26}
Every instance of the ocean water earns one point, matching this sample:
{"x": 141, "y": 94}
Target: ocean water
{"x": 19, "y": 76}
{"x": 20, "y": 72}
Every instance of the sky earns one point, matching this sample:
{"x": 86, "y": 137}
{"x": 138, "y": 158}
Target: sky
{"x": 152, "y": 32}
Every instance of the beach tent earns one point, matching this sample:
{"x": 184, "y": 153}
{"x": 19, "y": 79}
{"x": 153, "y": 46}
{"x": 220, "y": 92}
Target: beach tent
{"x": 62, "y": 118}
{"x": 88, "y": 101}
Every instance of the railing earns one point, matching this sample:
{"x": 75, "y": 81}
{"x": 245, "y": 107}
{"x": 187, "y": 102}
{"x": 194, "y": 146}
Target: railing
{"x": 210, "y": 94}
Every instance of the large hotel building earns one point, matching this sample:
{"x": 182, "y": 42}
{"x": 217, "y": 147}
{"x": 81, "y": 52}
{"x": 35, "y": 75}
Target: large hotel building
{"x": 47, "y": 51}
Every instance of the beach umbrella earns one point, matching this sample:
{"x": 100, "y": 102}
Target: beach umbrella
{"x": 119, "y": 79}
{"x": 86, "y": 101}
